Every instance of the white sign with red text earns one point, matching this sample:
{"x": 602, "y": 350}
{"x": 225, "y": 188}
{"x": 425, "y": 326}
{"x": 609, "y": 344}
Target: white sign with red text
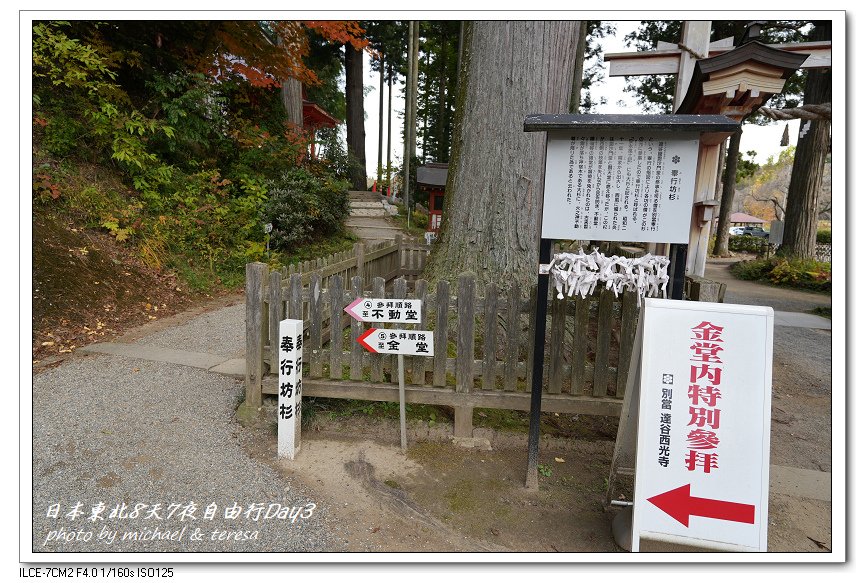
{"x": 385, "y": 310}
{"x": 702, "y": 471}
{"x": 391, "y": 341}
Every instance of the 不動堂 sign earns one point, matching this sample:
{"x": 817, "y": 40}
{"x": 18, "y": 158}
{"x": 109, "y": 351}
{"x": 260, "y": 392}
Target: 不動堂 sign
{"x": 619, "y": 187}
{"x": 385, "y": 310}
{"x": 702, "y": 472}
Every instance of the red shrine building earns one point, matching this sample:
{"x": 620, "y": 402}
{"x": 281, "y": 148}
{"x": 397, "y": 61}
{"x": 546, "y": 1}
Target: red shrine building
{"x": 432, "y": 178}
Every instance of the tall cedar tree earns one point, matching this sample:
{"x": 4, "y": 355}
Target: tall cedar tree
{"x": 492, "y": 200}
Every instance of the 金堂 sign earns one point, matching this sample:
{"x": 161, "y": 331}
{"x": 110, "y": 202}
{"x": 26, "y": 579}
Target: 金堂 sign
{"x": 702, "y": 475}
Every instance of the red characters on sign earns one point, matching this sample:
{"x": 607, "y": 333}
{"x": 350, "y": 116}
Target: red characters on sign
{"x": 704, "y": 392}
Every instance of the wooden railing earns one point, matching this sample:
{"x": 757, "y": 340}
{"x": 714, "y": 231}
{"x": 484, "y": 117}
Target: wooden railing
{"x": 482, "y": 338}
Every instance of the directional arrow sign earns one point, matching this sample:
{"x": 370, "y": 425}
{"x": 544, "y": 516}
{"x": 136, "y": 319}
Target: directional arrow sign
{"x": 385, "y": 310}
{"x": 679, "y": 504}
{"x": 412, "y": 342}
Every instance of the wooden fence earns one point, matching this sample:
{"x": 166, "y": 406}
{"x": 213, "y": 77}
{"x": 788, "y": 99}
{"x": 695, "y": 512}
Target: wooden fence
{"x": 482, "y": 338}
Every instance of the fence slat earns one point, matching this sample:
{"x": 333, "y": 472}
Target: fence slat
{"x": 356, "y": 330}
{"x": 465, "y": 333}
{"x": 295, "y": 294}
{"x": 440, "y": 334}
{"x": 626, "y": 339}
{"x": 336, "y": 312}
{"x": 512, "y": 353}
{"x": 418, "y": 376}
{"x": 578, "y": 358}
{"x": 488, "y": 380}
{"x": 377, "y": 369}
{"x": 274, "y": 315}
{"x": 602, "y": 349}
{"x": 557, "y": 341}
{"x": 530, "y": 342}
{"x": 315, "y": 323}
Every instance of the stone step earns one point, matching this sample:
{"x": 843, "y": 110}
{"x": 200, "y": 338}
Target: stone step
{"x": 368, "y": 212}
{"x": 363, "y": 204}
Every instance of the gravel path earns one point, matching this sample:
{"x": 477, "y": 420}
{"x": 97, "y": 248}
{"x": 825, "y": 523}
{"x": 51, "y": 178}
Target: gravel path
{"x": 219, "y": 332}
{"x": 112, "y": 430}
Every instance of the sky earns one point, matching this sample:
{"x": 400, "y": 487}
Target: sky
{"x": 765, "y": 140}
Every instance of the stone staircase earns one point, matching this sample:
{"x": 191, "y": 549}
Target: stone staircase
{"x": 368, "y": 219}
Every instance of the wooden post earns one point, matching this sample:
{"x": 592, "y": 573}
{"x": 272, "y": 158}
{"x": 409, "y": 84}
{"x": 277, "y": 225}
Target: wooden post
{"x": 256, "y": 274}
{"x": 336, "y": 306}
{"x": 356, "y": 330}
{"x": 440, "y": 334}
{"x": 512, "y": 354}
{"x": 359, "y": 253}
{"x": 602, "y": 348}
{"x": 419, "y": 363}
{"x": 488, "y": 381}
{"x": 315, "y": 318}
{"x": 376, "y": 370}
{"x": 465, "y": 333}
{"x": 275, "y": 315}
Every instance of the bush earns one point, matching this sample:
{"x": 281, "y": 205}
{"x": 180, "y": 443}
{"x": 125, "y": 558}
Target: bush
{"x": 303, "y": 206}
{"x": 824, "y": 236}
{"x": 797, "y": 273}
{"x": 745, "y": 243}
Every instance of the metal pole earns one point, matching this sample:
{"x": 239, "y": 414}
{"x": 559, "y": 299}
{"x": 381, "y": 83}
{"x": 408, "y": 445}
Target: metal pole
{"x": 678, "y": 258}
{"x": 538, "y": 368}
{"x": 402, "y": 436}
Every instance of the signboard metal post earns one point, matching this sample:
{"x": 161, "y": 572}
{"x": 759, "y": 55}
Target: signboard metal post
{"x": 393, "y": 341}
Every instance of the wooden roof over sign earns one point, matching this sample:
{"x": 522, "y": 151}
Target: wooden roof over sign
{"x": 737, "y": 82}
{"x": 432, "y": 175}
{"x": 712, "y": 128}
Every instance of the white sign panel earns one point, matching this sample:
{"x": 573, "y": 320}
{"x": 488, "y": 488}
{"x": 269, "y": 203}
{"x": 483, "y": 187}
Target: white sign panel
{"x": 289, "y": 367}
{"x": 412, "y": 342}
{"x": 702, "y": 475}
{"x": 611, "y": 187}
{"x": 385, "y": 310}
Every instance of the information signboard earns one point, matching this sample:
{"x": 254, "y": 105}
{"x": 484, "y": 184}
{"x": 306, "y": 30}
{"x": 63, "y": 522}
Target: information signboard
{"x": 615, "y": 186}
{"x": 702, "y": 475}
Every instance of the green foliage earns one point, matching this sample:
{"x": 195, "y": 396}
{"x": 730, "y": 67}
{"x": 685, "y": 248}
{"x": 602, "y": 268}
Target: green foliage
{"x": 303, "y": 205}
{"x": 545, "y": 470}
{"x": 135, "y": 140}
{"x": 824, "y": 236}
{"x": 796, "y": 273}
{"x": 745, "y": 243}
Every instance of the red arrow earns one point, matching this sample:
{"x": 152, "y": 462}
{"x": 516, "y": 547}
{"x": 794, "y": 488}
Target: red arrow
{"x": 362, "y": 338}
{"x": 679, "y": 504}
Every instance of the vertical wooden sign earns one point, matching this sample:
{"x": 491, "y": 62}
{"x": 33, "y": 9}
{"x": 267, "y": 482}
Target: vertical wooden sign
{"x": 290, "y": 381}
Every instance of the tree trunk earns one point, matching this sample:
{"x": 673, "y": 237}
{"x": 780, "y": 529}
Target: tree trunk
{"x": 389, "y": 120}
{"x": 407, "y": 142}
{"x": 356, "y": 135}
{"x": 441, "y": 154}
{"x": 577, "y": 87}
{"x": 292, "y": 100}
{"x": 722, "y": 236}
{"x": 380, "y": 121}
{"x": 495, "y": 181}
{"x": 800, "y": 227}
